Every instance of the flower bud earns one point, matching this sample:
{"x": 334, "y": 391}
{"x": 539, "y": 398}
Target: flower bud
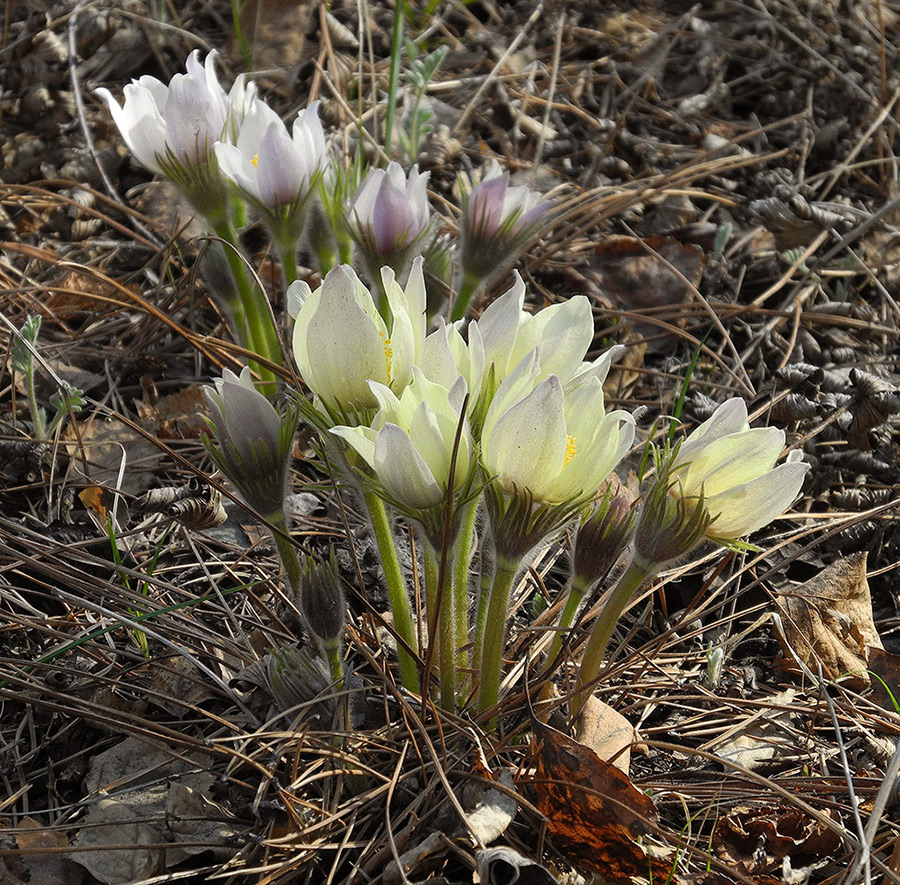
{"x": 251, "y": 441}
{"x": 321, "y": 600}
{"x": 603, "y": 535}
{"x": 389, "y": 218}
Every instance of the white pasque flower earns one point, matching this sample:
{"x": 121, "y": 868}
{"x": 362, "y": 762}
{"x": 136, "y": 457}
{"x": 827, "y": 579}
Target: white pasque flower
{"x": 390, "y": 210}
{"x": 410, "y": 442}
{"x": 176, "y": 123}
{"x": 557, "y": 445}
{"x": 341, "y": 341}
{"x": 272, "y": 168}
{"x": 562, "y": 332}
{"x": 733, "y": 466}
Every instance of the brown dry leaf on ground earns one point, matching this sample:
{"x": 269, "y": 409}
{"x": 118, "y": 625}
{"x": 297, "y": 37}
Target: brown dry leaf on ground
{"x": 594, "y": 813}
{"x": 608, "y": 733}
{"x": 828, "y": 622}
{"x": 757, "y": 840}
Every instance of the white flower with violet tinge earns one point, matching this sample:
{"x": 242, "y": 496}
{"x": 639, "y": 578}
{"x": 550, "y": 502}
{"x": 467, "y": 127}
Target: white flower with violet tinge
{"x": 341, "y": 342}
{"x": 252, "y": 441}
{"x": 497, "y": 223}
{"x": 733, "y": 466}
{"x": 389, "y": 216}
{"x": 494, "y": 208}
{"x": 180, "y": 121}
{"x": 410, "y": 442}
{"x": 171, "y": 128}
{"x": 271, "y": 167}
{"x": 557, "y": 445}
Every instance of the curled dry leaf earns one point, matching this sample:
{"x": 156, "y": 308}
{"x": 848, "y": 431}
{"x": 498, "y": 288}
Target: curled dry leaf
{"x": 594, "y": 813}
{"x": 757, "y": 840}
{"x": 828, "y": 622}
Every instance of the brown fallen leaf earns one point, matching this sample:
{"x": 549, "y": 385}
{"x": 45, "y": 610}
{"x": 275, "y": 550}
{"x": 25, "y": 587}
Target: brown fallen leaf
{"x": 758, "y": 839}
{"x": 632, "y": 274}
{"x": 828, "y": 622}
{"x": 179, "y": 415}
{"x": 607, "y": 732}
{"x": 885, "y": 668}
{"x": 594, "y": 813}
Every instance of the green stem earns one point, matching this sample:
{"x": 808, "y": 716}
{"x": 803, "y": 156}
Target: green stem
{"x": 396, "y": 585}
{"x": 629, "y": 584}
{"x": 288, "y": 256}
{"x": 255, "y": 329}
{"x": 332, "y": 653}
{"x": 394, "y": 76}
{"x": 467, "y": 288}
{"x": 578, "y": 587}
{"x": 495, "y": 633}
{"x": 441, "y": 624}
{"x": 37, "y": 414}
{"x": 462, "y": 561}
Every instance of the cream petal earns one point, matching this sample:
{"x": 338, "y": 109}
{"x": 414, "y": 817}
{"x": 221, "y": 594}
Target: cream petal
{"x": 732, "y": 460}
{"x": 403, "y": 471}
{"x": 747, "y": 507}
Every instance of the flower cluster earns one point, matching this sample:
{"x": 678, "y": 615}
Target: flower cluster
{"x": 230, "y": 150}
{"x": 503, "y": 417}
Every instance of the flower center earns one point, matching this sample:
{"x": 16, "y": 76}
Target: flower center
{"x": 255, "y": 160}
{"x": 571, "y": 450}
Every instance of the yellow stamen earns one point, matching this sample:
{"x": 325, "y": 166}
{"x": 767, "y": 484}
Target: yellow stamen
{"x": 255, "y": 160}
{"x": 571, "y": 450}
{"x": 388, "y": 354}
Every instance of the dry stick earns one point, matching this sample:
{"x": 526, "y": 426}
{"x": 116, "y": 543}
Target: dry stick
{"x": 470, "y": 107}
{"x": 551, "y": 89}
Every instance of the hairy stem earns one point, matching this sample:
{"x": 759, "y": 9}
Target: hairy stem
{"x": 396, "y": 585}
{"x": 495, "y": 633}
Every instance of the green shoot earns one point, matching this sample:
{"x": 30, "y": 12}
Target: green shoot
{"x": 22, "y": 358}
{"x": 421, "y": 72}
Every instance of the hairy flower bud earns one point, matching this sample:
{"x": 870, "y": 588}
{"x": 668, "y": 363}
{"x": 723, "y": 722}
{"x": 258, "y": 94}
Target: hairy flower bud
{"x": 604, "y": 533}
{"x": 321, "y": 600}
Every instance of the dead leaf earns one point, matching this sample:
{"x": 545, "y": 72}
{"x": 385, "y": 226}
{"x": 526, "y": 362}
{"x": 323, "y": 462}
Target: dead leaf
{"x": 828, "y": 622}
{"x": 757, "y": 840}
{"x": 103, "y": 452}
{"x": 35, "y": 843}
{"x": 631, "y": 274}
{"x": 886, "y": 687}
{"x": 759, "y": 739}
{"x": 607, "y": 732}
{"x": 594, "y": 813}
{"x": 503, "y": 864}
{"x": 177, "y": 416}
{"x": 143, "y": 799}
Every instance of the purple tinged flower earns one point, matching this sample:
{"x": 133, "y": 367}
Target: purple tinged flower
{"x": 390, "y": 216}
{"x": 171, "y": 128}
{"x": 497, "y": 223}
{"x": 493, "y": 205}
{"x": 252, "y": 441}
{"x": 180, "y": 121}
{"x": 272, "y": 167}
